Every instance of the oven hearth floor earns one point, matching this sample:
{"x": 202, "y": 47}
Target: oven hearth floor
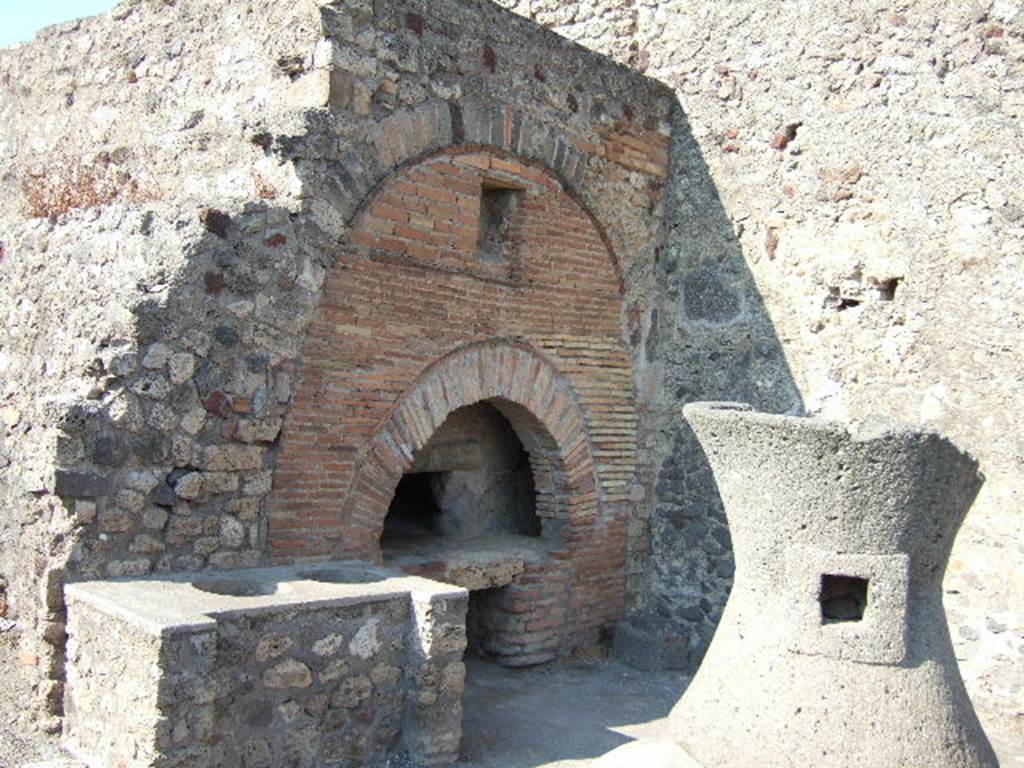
{"x": 483, "y": 562}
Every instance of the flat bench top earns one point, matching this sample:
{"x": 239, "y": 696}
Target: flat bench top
{"x": 190, "y": 601}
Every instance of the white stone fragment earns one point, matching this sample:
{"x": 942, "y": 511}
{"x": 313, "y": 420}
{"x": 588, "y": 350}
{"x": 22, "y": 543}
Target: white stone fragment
{"x": 365, "y": 643}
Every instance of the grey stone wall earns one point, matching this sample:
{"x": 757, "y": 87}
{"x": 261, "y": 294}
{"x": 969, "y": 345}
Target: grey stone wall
{"x": 315, "y": 697}
{"x": 154, "y": 101}
{"x": 107, "y": 166}
{"x": 864, "y": 158}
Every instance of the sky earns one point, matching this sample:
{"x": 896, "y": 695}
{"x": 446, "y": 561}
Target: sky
{"x": 21, "y": 19}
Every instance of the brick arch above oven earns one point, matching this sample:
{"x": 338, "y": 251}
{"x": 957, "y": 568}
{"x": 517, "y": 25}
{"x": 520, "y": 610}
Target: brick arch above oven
{"x": 615, "y": 174}
{"x": 526, "y": 388}
{"x": 419, "y": 317}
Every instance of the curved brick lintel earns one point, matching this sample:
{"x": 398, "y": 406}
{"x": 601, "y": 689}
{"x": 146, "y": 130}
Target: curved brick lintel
{"x": 526, "y": 387}
{"x": 410, "y": 136}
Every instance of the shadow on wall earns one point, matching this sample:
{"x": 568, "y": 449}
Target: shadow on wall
{"x": 715, "y": 341}
{"x": 175, "y": 460}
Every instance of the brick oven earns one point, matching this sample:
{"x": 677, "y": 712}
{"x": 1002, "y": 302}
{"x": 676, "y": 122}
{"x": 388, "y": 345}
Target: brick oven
{"x": 348, "y": 281}
{"x": 467, "y": 408}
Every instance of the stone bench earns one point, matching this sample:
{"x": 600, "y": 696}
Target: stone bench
{"x": 339, "y": 663}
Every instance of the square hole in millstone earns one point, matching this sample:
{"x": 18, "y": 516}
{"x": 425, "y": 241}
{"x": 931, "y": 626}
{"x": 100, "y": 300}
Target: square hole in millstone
{"x": 842, "y": 598}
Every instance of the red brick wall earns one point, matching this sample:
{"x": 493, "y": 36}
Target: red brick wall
{"x": 408, "y": 290}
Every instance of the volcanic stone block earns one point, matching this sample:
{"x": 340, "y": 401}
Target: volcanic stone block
{"x": 833, "y": 648}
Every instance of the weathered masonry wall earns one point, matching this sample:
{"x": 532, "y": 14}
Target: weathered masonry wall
{"x": 116, "y": 133}
{"x": 154, "y": 102}
{"x": 153, "y": 334}
{"x": 866, "y": 156}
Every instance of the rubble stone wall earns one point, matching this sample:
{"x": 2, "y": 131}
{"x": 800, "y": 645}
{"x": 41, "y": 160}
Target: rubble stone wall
{"x": 155, "y": 101}
{"x": 114, "y": 141}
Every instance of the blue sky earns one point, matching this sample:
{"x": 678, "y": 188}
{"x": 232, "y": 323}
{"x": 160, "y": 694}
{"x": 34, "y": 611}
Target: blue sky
{"x": 21, "y": 19}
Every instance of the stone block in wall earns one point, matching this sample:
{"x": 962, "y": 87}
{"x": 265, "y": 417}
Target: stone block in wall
{"x": 114, "y": 706}
{"x": 81, "y": 485}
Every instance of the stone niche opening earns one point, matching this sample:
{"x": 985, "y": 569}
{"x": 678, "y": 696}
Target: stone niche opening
{"x": 499, "y": 203}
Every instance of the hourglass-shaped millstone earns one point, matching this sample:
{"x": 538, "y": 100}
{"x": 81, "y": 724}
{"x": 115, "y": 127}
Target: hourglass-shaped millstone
{"x": 833, "y": 649}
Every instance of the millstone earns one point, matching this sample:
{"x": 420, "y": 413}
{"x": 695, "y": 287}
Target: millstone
{"x": 833, "y": 649}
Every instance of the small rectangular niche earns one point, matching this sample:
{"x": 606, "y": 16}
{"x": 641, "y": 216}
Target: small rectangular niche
{"x": 498, "y": 204}
{"x": 842, "y": 598}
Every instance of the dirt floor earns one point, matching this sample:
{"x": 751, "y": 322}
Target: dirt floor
{"x": 558, "y": 715}
{"x": 568, "y": 713}
{"x": 561, "y": 714}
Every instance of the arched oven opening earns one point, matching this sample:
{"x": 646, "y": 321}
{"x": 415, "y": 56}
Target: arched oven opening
{"x": 471, "y": 480}
{"x": 466, "y": 512}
